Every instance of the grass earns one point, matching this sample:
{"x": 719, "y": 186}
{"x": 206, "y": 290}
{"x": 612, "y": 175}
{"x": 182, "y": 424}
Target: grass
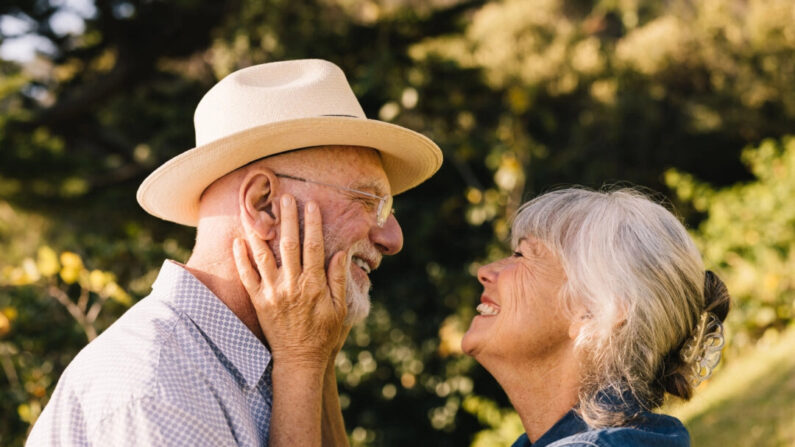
{"x": 750, "y": 403}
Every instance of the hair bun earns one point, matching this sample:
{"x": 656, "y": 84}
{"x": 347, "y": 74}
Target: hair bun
{"x": 676, "y": 382}
{"x": 701, "y": 353}
{"x": 716, "y": 296}
{"x": 690, "y": 364}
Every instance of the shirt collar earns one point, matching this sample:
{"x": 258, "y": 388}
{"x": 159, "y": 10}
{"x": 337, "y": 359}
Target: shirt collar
{"x": 570, "y": 424}
{"x": 219, "y": 324}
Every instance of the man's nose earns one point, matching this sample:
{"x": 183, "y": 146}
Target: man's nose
{"x": 389, "y": 238}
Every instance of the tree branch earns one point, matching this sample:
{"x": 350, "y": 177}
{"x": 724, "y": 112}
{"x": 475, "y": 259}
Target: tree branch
{"x": 74, "y": 311}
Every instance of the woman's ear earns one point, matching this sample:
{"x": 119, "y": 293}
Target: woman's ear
{"x": 581, "y": 318}
{"x": 259, "y": 212}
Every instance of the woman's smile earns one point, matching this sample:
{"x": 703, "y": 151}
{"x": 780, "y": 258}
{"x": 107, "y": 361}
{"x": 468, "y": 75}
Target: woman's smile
{"x": 487, "y": 307}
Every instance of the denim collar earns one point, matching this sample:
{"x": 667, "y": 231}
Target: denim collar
{"x": 570, "y": 424}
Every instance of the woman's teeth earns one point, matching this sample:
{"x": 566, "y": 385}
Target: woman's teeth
{"x": 364, "y": 266}
{"x": 487, "y": 309}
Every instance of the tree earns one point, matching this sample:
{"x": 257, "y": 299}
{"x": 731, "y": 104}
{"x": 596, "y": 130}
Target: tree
{"x": 520, "y": 95}
{"x": 748, "y": 236}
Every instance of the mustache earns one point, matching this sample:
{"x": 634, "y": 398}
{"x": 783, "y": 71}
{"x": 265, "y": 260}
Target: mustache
{"x": 364, "y": 249}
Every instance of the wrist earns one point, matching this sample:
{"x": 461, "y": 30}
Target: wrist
{"x": 302, "y": 366}
{"x": 301, "y": 378}
{"x": 300, "y": 357}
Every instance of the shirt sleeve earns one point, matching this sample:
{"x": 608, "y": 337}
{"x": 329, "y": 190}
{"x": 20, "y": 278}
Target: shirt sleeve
{"x": 60, "y": 424}
{"x": 149, "y": 421}
{"x": 146, "y": 421}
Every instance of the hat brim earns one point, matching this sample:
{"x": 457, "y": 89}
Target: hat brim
{"x": 173, "y": 190}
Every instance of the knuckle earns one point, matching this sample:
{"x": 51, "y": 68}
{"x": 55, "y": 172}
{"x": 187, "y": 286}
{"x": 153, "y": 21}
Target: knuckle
{"x": 292, "y": 292}
{"x": 311, "y": 288}
{"x": 261, "y": 302}
{"x": 314, "y": 246}
{"x": 289, "y": 244}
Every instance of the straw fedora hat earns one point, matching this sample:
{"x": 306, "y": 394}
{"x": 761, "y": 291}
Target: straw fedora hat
{"x": 273, "y": 108}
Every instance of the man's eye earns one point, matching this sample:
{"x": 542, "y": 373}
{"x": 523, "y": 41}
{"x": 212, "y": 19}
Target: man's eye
{"x": 517, "y": 254}
{"x": 368, "y": 203}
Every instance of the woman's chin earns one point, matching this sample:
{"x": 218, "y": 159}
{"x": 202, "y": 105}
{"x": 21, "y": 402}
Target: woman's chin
{"x": 472, "y": 340}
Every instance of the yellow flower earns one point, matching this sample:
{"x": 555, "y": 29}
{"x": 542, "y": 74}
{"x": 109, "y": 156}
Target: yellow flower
{"x": 11, "y": 313}
{"x": 72, "y": 267}
{"x": 118, "y": 294}
{"x": 5, "y": 325}
{"x": 47, "y": 261}
{"x": 24, "y": 275}
{"x": 97, "y": 280}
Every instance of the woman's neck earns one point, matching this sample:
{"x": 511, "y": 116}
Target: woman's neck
{"x": 541, "y": 392}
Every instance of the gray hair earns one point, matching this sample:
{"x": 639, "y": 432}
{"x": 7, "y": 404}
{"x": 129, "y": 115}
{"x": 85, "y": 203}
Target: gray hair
{"x": 632, "y": 266}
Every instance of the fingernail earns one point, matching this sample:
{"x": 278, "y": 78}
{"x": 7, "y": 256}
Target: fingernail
{"x": 285, "y": 200}
{"x": 311, "y": 206}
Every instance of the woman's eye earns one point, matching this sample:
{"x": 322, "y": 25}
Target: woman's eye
{"x": 517, "y": 254}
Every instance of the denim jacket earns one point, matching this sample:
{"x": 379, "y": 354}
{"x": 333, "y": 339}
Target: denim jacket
{"x": 648, "y": 430}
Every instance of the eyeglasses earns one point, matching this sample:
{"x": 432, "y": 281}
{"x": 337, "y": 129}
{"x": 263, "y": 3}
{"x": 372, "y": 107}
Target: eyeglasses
{"x": 383, "y": 210}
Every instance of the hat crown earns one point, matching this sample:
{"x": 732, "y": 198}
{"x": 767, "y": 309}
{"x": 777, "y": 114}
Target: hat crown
{"x": 270, "y": 109}
{"x": 273, "y": 92}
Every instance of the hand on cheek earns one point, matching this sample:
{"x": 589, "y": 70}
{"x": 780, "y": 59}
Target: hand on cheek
{"x": 299, "y": 306}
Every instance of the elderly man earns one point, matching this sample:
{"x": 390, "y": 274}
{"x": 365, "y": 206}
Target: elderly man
{"x": 190, "y": 364}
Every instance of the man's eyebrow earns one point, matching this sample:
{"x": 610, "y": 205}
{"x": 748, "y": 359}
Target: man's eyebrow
{"x": 372, "y": 186}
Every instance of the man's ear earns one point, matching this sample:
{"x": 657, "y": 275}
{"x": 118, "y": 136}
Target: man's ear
{"x": 259, "y": 212}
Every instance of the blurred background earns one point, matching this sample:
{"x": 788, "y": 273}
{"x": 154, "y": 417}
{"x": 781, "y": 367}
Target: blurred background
{"x": 694, "y": 99}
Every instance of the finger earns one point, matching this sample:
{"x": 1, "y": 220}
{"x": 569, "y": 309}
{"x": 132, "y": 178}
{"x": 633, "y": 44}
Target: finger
{"x": 337, "y": 275}
{"x": 314, "y": 255}
{"x": 289, "y": 244}
{"x": 248, "y": 276}
{"x": 263, "y": 258}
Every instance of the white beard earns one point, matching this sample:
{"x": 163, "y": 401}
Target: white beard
{"x": 358, "y": 299}
{"x": 357, "y": 296}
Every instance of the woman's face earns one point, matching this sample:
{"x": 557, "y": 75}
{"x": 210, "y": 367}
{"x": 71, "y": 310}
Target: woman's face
{"x": 520, "y": 312}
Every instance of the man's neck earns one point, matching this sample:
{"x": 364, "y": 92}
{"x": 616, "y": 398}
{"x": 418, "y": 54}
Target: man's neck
{"x": 219, "y": 274}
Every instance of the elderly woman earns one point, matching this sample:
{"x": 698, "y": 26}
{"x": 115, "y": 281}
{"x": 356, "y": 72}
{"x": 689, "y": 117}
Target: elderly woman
{"x": 603, "y": 308}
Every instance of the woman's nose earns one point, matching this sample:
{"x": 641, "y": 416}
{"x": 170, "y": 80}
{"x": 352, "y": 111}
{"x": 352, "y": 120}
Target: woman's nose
{"x": 487, "y": 273}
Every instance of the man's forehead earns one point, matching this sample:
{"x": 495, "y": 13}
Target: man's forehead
{"x": 351, "y": 166}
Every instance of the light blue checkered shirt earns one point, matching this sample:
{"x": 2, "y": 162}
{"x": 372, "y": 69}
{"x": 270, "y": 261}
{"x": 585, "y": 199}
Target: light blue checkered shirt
{"x": 178, "y": 368}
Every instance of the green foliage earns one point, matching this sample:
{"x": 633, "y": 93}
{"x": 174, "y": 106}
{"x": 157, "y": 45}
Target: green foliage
{"x": 49, "y": 308}
{"x": 520, "y": 95}
{"x": 748, "y": 236}
{"x": 505, "y": 425}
